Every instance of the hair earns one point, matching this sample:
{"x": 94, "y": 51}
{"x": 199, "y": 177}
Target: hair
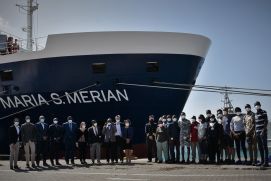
{"x": 127, "y": 121}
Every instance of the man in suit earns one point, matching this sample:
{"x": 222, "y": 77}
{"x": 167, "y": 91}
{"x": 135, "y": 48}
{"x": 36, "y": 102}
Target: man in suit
{"x": 109, "y": 131}
{"x": 42, "y": 141}
{"x": 55, "y": 136}
{"x": 14, "y": 143}
{"x": 119, "y": 139}
{"x": 69, "y": 139}
{"x": 95, "y": 139}
{"x": 29, "y": 137}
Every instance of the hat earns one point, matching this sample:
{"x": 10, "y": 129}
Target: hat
{"x": 27, "y": 117}
{"x": 194, "y": 117}
{"x": 208, "y": 112}
{"x": 257, "y": 103}
{"x": 93, "y": 122}
{"x": 55, "y": 119}
{"x": 219, "y": 111}
{"x": 247, "y": 106}
{"x": 109, "y": 120}
{"x": 237, "y": 109}
{"x": 183, "y": 114}
{"x": 69, "y": 118}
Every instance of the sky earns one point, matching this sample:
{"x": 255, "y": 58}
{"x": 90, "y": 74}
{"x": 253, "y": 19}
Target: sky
{"x": 240, "y": 31}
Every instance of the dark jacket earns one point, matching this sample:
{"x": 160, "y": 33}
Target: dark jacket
{"x": 28, "y": 132}
{"x": 55, "y": 133}
{"x": 81, "y": 133}
{"x": 161, "y": 134}
{"x": 173, "y": 130}
{"x": 69, "y": 135}
{"x": 214, "y": 134}
{"x": 42, "y": 133}
{"x": 13, "y": 136}
{"x": 150, "y": 130}
{"x": 109, "y": 133}
{"x": 92, "y": 138}
{"x": 127, "y": 133}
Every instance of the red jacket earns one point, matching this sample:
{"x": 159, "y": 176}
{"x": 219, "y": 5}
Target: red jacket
{"x": 194, "y": 131}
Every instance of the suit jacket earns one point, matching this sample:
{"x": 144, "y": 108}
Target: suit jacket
{"x": 92, "y": 138}
{"x": 127, "y": 133}
{"x": 42, "y": 133}
{"x": 109, "y": 133}
{"x": 28, "y": 132}
{"x": 55, "y": 133}
{"x": 80, "y": 133}
{"x": 13, "y": 136}
{"x": 68, "y": 134}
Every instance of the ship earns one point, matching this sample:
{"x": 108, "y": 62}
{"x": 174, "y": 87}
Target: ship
{"x": 97, "y": 75}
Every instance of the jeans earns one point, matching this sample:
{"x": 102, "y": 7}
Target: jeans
{"x": 262, "y": 145}
{"x": 194, "y": 146}
{"x": 151, "y": 148}
{"x": 174, "y": 144}
{"x": 241, "y": 139}
{"x": 162, "y": 147}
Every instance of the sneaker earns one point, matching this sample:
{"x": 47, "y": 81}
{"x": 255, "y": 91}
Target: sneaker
{"x": 16, "y": 167}
{"x": 27, "y": 166}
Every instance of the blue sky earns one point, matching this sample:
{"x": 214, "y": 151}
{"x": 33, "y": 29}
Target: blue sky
{"x": 240, "y": 31}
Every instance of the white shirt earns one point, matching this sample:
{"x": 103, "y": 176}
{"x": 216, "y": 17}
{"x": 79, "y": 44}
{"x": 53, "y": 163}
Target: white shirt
{"x": 118, "y": 133}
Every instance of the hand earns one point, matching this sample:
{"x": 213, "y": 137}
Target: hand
{"x": 150, "y": 137}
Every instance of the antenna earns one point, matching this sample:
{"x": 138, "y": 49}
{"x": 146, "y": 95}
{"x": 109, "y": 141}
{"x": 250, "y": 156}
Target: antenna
{"x": 29, "y": 8}
{"x": 227, "y": 102}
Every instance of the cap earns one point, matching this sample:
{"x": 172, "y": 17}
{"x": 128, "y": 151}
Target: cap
{"x": 193, "y": 117}
{"x": 213, "y": 116}
{"x": 69, "y": 118}
{"x": 208, "y": 112}
{"x": 237, "y": 109}
{"x": 219, "y": 111}
{"x": 93, "y": 122}
{"x": 257, "y": 103}
{"x": 247, "y": 106}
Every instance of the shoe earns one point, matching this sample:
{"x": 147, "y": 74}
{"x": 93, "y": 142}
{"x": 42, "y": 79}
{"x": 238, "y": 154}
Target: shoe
{"x": 259, "y": 164}
{"x": 38, "y": 163}
{"x": 52, "y": 162}
{"x": 57, "y": 163}
{"x": 98, "y": 162}
{"x": 265, "y": 164}
{"x": 182, "y": 162}
{"x": 160, "y": 161}
{"x": 149, "y": 161}
{"x": 11, "y": 167}
{"x": 193, "y": 161}
{"x": 67, "y": 162}
{"x": 33, "y": 165}
{"x": 238, "y": 162}
{"x": 27, "y": 166}
{"x": 45, "y": 164}
{"x": 16, "y": 167}
{"x": 187, "y": 161}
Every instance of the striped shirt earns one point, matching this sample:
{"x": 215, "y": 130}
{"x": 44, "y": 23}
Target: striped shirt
{"x": 261, "y": 120}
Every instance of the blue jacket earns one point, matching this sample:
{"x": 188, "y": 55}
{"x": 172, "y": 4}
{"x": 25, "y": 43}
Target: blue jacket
{"x": 127, "y": 133}
{"x": 68, "y": 134}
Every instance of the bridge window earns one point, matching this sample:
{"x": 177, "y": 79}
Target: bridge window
{"x": 98, "y": 68}
{"x": 152, "y": 66}
{"x": 7, "y": 75}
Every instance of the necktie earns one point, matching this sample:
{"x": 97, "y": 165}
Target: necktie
{"x": 70, "y": 126}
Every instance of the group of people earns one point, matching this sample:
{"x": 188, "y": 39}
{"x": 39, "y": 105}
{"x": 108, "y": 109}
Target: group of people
{"x": 211, "y": 137}
{"x": 12, "y": 46}
{"x": 42, "y": 141}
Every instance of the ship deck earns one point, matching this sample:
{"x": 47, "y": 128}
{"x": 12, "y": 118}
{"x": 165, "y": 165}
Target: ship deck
{"x": 138, "y": 170}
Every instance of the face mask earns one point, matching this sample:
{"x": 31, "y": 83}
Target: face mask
{"x": 164, "y": 120}
{"x": 55, "y": 122}
{"x": 183, "y": 117}
{"x": 95, "y": 124}
{"x": 248, "y": 109}
{"x": 28, "y": 120}
{"x": 127, "y": 124}
{"x": 117, "y": 120}
{"x": 168, "y": 119}
{"x": 16, "y": 123}
{"x": 257, "y": 107}
{"x": 212, "y": 124}
{"x": 200, "y": 120}
{"x": 212, "y": 119}
{"x": 174, "y": 119}
{"x": 160, "y": 125}
{"x": 238, "y": 113}
{"x": 70, "y": 121}
{"x": 193, "y": 120}
{"x": 208, "y": 115}
{"x": 84, "y": 127}
{"x": 108, "y": 124}
{"x": 42, "y": 120}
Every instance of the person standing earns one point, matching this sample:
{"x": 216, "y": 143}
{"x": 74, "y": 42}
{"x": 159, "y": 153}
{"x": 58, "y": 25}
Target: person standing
{"x": 119, "y": 139}
{"x": 150, "y": 131}
{"x": 109, "y": 132}
{"x": 194, "y": 138}
{"x": 95, "y": 140}
{"x": 42, "y": 141}
{"x": 69, "y": 139}
{"x": 29, "y": 137}
{"x": 81, "y": 142}
{"x": 261, "y": 122}
{"x": 239, "y": 134}
{"x": 208, "y": 116}
{"x": 54, "y": 137}
{"x": 128, "y": 134}
{"x": 202, "y": 130}
{"x": 174, "y": 140}
{"x": 185, "y": 136}
{"x": 162, "y": 142}
{"x": 249, "y": 122}
{"x": 14, "y": 138}
{"x": 222, "y": 145}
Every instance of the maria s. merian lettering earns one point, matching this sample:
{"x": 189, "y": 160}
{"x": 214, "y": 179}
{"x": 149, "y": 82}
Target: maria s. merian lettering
{"x": 93, "y": 96}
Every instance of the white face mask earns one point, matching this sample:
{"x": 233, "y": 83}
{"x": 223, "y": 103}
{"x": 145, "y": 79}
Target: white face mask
{"x": 212, "y": 124}
{"x": 117, "y": 120}
{"x": 183, "y": 117}
{"x": 193, "y": 120}
{"x": 248, "y": 109}
{"x": 69, "y": 121}
{"x": 42, "y": 120}
{"x": 160, "y": 125}
{"x": 257, "y": 107}
{"x": 28, "y": 120}
{"x": 55, "y": 122}
{"x": 174, "y": 119}
{"x": 127, "y": 124}
{"x": 95, "y": 124}
{"x": 238, "y": 113}
{"x": 212, "y": 119}
{"x": 164, "y": 120}
{"x": 108, "y": 124}
{"x": 16, "y": 123}
{"x": 200, "y": 120}
{"x": 168, "y": 119}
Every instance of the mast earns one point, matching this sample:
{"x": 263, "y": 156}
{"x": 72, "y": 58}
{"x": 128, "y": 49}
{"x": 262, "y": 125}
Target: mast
{"x": 29, "y": 8}
{"x": 227, "y": 102}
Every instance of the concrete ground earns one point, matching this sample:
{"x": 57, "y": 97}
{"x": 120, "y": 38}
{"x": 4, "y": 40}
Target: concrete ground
{"x": 139, "y": 170}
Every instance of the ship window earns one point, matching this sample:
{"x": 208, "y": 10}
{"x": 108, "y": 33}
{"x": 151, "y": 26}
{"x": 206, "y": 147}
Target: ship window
{"x": 6, "y": 75}
{"x": 152, "y": 66}
{"x": 98, "y": 68}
